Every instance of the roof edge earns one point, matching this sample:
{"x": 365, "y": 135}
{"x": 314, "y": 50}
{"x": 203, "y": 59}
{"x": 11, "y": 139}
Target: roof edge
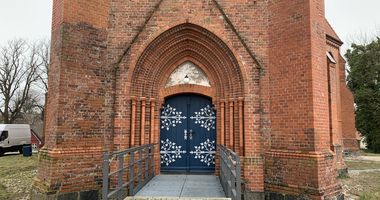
{"x": 331, "y": 34}
{"x": 334, "y": 40}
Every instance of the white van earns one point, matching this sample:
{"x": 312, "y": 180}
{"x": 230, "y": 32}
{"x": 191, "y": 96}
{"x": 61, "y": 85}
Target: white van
{"x": 13, "y": 137}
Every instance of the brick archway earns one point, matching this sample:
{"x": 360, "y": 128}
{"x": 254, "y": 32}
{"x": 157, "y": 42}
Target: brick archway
{"x": 147, "y": 79}
{"x": 192, "y": 43}
{"x": 270, "y": 89}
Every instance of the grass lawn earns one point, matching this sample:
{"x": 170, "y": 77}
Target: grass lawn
{"x": 368, "y": 153}
{"x": 361, "y": 164}
{"x": 16, "y": 175}
{"x": 363, "y": 185}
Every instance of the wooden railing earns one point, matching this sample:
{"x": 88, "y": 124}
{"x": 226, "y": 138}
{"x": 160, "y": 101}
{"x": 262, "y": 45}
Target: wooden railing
{"x": 230, "y": 173}
{"x": 129, "y": 175}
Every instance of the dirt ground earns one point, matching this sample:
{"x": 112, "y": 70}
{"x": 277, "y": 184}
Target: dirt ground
{"x": 16, "y": 176}
{"x": 363, "y": 181}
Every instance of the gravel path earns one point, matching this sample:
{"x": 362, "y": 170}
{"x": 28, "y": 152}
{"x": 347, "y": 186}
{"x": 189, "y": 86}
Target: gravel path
{"x": 355, "y": 172}
{"x": 370, "y": 158}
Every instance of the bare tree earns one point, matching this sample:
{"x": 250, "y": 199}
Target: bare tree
{"x": 44, "y": 54}
{"x": 43, "y": 71}
{"x": 20, "y": 65}
{"x": 33, "y": 107}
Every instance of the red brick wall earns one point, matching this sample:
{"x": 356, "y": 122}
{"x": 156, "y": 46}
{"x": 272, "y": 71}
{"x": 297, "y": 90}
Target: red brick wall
{"x": 266, "y": 65}
{"x": 290, "y": 74}
{"x": 36, "y": 141}
{"x": 349, "y": 133}
{"x": 300, "y": 152}
{"x": 77, "y": 119}
{"x": 217, "y": 59}
{"x": 335, "y": 117}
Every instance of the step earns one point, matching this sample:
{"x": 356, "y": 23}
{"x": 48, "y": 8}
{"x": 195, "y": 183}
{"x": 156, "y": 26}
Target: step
{"x": 175, "y": 198}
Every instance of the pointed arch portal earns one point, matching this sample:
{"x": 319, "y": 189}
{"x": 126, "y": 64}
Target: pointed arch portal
{"x": 187, "y": 43}
{"x": 211, "y": 70}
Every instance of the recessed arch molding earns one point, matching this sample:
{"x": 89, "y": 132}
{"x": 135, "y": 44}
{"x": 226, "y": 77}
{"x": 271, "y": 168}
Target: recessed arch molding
{"x": 187, "y": 42}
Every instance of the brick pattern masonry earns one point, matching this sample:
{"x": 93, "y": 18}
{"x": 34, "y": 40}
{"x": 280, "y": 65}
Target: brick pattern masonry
{"x": 281, "y": 104}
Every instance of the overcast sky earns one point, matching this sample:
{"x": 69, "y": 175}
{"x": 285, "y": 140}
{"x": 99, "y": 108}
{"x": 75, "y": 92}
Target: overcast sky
{"x": 31, "y": 19}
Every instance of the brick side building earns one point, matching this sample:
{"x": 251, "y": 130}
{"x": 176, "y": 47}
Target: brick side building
{"x": 37, "y": 142}
{"x": 271, "y": 70}
{"x": 350, "y": 135}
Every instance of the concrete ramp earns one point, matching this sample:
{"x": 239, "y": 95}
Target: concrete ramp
{"x": 173, "y": 187}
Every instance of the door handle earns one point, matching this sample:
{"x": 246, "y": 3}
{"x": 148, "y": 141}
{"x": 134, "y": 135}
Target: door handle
{"x": 185, "y": 135}
{"x": 191, "y": 134}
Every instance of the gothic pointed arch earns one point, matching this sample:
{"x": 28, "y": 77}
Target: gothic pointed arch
{"x": 187, "y": 43}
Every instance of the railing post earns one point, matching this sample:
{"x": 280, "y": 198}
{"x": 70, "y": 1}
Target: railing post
{"x": 131, "y": 173}
{"x": 238, "y": 178}
{"x": 122, "y": 167}
{"x": 152, "y": 152}
{"x": 120, "y": 177}
{"x": 146, "y": 162}
{"x": 140, "y": 171}
{"x": 105, "y": 175}
{"x": 221, "y": 167}
{"x": 230, "y": 173}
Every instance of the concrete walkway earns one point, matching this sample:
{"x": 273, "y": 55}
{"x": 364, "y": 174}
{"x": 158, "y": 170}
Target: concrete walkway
{"x": 370, "y": 158}
{"x": 358, "y": 171}
{"x": 363, "y": 158}
{"x": 183, "y": 187}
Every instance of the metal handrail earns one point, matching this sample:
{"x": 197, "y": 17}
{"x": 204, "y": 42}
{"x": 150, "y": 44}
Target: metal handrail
{"x": 230, "y": 173}
{"x": 130, "y": 175}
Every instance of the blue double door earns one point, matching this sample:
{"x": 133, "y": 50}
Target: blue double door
{"x": 188, "y": 134}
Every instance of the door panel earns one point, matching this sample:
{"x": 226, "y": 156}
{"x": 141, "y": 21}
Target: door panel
{"x": 188, "y": 134}
{"x": 173, "y": 146}
{"x": 202, "y": 127}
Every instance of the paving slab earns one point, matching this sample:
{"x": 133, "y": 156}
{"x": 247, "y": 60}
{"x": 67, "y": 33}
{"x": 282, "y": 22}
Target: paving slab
{"x": 182, "y": 187}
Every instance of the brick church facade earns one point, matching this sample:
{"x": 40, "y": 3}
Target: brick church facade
{"x": 271, "y": 69}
